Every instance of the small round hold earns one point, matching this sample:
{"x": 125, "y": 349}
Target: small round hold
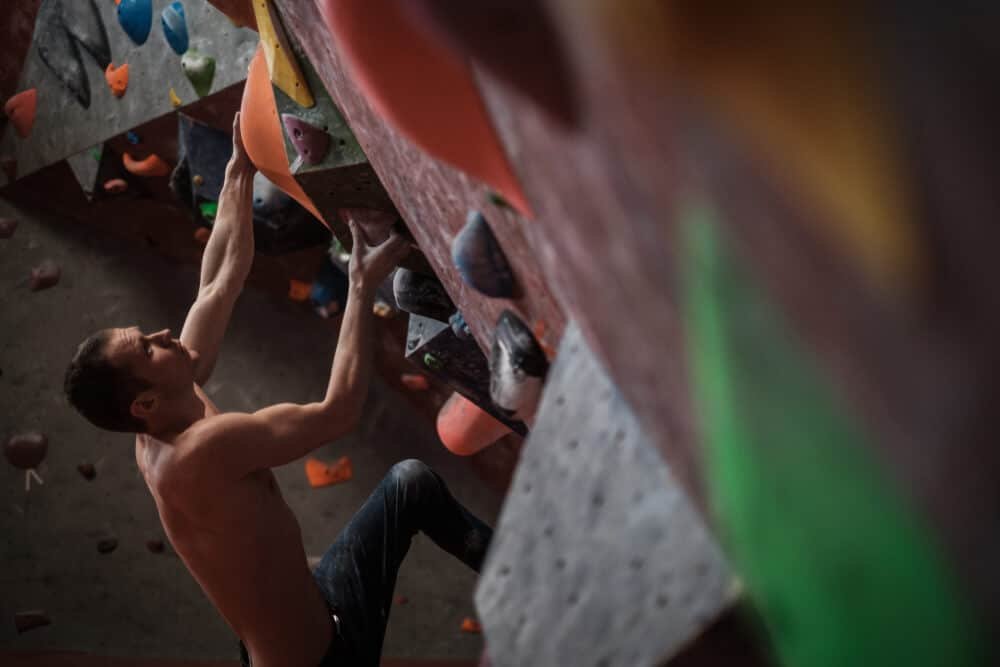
{"x": 421, "y": 294}
{"x": 44, "y": 275}
{"x": 87, "y": 471}
{"x": 133, "y": 138}
{"x": 106, "y": 545}
{"x": 7, "y": 227}
{"x": 155, "y": 546}
{"x": 432, "y": 362}
{"x": 26, "y": 450}
{"x": 198, "y": 180}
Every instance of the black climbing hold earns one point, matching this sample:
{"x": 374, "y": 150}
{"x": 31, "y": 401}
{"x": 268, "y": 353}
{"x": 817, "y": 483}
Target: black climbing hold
{"x": 87, "y": 471}
{"x": 480, "y": 259}
{"x": 31, "y": 619}
{"x": 106, "y": 545}
{"x": 517, "y": 367}
{"x": 155, "y": 546}
{"x": 60, "y": 52}
{"x": 26, "y": 450}
{"x": 421, "y": 294}
{"x": 83, "y": 22}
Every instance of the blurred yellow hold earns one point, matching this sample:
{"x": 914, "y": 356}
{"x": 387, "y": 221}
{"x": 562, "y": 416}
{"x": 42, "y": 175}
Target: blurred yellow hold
{"x": 801, "y": 87}
{"x": 174, "y": 100}
{"x": 281, "y": 63}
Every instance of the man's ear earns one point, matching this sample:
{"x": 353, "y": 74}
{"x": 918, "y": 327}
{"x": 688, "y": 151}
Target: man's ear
{"x": 145, "y": 404}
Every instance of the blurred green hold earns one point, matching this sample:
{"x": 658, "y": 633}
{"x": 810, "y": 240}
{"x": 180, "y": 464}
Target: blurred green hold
{"x": 497, "y": 199}
{"x": 208, "y": 210}
{"x": 842, "y": 570}
{"x": 97, "y": 152}
{"x": 200, "y": 71}
{"x": 432, "y": 362}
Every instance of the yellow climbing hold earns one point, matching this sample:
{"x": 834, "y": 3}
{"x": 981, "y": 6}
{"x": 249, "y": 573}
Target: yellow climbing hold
{"x": 281, "y": 63}
{"x": 176, "y": 101}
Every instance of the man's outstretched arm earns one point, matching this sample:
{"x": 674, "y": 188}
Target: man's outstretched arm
{"x": 241, "y": 443}
{"x": 226, "y": 262}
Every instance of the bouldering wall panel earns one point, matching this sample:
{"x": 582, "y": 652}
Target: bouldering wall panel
{"x": 63, "y": 125}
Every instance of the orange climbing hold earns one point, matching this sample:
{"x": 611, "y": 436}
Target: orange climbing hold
{"x": 262, "y": 133}
{"x": 471, "y": 626}
{"x": 149, "y": 166}
{"x": 20, "y": 109}
{"x": 421, "y": 88}
{"x": 117, "y": 78}
{"x": 202, "y": 234}
{"x": 322, "y": 474}
{"x": 465, "y": 428}
{"x": 298, "y": 290}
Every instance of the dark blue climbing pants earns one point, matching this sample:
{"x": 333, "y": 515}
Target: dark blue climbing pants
{"x": 357, "y": 574}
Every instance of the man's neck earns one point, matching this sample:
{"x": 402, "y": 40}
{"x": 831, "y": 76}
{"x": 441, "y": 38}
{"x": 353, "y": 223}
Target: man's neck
{"x": 178, "y": 415}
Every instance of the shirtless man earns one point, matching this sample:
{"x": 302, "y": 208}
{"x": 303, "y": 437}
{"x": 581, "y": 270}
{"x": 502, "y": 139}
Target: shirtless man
{"x": 209, "y": 472}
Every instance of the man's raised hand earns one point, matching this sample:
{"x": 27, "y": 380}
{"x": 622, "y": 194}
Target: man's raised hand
{"x": 370, "y": 265}
{"x": 240, "y": 161}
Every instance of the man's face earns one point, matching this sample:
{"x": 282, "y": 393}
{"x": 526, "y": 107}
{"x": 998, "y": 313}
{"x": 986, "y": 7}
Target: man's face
{"x": 158, "y": 358}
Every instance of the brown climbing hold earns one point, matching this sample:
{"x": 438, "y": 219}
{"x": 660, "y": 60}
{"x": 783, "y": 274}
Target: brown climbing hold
{"x": 106, "y": 545}
{"x": 26, "y": 450}
{"x": 7, "y": 227}
{"x": 197, "y": 179}
{"x": 117, "y": 78}
{"x": 415, "y": 381}
{"x": 155, "y": 546}
{"x": 471, "y": 626}
{"x": 202, "y": 234}
{"x": 44, "y": 275}
{"x": 402, "y": 599}
{"x": 115, "y": 186}
{"x": 87, "y": 470}
{"x": 152, "y": 165}
{"x": 31, "y": 619}
{"x": 21, "y": 109}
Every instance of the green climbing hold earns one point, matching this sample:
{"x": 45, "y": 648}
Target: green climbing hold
{"x": 96, "y": 152}
{"x": 497, "y": 199}
{"x": 200, "y": 71}
{"x": 432, "y": 362}
{"x": 208, "y": 210}
{"x": 840, "y": 566}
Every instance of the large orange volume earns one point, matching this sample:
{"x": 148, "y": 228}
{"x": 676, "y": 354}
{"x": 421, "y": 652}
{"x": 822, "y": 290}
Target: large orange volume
{"x": 465, "y": 428}
{"x": 422, "y": 89}
{"x": 261, "y": 132}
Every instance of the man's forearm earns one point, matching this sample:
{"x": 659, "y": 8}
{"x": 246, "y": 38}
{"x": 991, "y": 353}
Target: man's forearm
{"x": 229, "y": 253}
{"x": 352, "y": 362}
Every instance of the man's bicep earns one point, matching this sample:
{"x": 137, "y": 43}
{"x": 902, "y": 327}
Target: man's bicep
{"x": 205, "y": 328}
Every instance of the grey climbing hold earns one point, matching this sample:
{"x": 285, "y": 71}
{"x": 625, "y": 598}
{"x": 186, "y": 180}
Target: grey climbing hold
{"x": 421, "y": 294}
{"x": 83, "y": 22}
{"x": 44, "y": 275}
{"x": 311, "y": 143}
{"x": 199, "y": 68}
{"x": 26, "y": 450}
{"x": 7, "y": 227}
{"x": 480, "y": 259}
{"x": 517, "y": 367}
{"x": 268, "y": 198}
{"x": 106, "y": 545}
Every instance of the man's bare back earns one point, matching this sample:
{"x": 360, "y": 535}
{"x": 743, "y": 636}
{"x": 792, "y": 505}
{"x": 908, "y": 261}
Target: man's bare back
{"x": 243, "y": 545}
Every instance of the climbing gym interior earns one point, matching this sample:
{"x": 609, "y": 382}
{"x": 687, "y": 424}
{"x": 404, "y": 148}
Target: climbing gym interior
{"x": 699, "y": 313}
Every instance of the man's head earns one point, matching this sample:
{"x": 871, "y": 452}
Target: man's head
{"x": 121, "y": 379}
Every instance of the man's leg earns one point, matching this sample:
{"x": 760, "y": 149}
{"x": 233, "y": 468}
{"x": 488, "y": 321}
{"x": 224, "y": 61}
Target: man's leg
{"x": 358, "y": 572}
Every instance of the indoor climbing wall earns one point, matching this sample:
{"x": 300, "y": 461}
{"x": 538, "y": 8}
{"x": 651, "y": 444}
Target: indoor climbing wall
{"x": 769, "y": 226}
{"x": 99, "y": 69}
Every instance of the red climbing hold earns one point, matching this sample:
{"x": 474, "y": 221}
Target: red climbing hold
{"x": 44, "y": 275}
{"x": 115, "y": 186}
{"x": 322, "y": 474}
{"x": 149, "y": 166}
{"x": 471, "y": 626}
{"x": 415, "y": 381}
{"x": 26, "y": 450}
{"x": 202, "y": 234}
{"x": 465, "y": 428}
{"x": 21, "y": 110}
{"x": 7, "y": 227}
{"x": 117, "y": 78}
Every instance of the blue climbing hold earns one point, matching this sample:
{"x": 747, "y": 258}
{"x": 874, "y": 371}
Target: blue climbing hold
{"x": 175, "y": 27}
{"x": 132, "y": 137}
{"x": 480, "y": 259}
{"x": 136, "y": 19}
{"x": 459, "y": 326}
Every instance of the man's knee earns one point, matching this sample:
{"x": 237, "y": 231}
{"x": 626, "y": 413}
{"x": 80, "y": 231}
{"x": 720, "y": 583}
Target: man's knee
{"x": 411, "y": 471}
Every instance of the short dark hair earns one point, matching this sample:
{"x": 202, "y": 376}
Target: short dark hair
{"x": 100, "y": 391}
